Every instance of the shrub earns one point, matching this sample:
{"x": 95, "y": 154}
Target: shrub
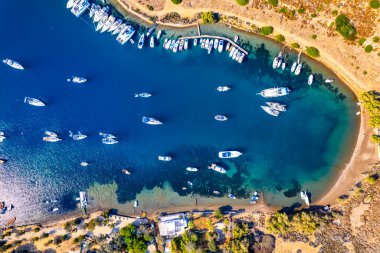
{"x": 303, "y": 222}
{"x": 44, "y": 235}
{"x": 58, "y": 240}
{"x": 335, "y": 12}
{"x": 312, "y": 51}
{"x": 283, "y": 10}
{"x": 361, "y": 41}
{"x": 374, "y": 121}
{"x": 208, "y": 17}
{"x": 242, "y": 2}
{"x": 266, "y": 30}
{"x": 36, "y": 238}
{"x": 176, "y": 1}
{"x": 150, "y": 7}
{"x": 314, "y": 36}
{"x": 191, "y": 224}
{"x": 280, "y": 38}
{"x": 79, "y": 239}
{"x": 273, "y": 2}
{"x": 371, "y": 179}
{"x": 91, "y": 224}
{"x": 218, "y": 213}
{"x": 314, "y": 15}
{"x": 375, "y": 4}
{"x": 344, "y": 27}
{"x": 36, "y": 229}
{"x": 368, "y": 49}
{"x": 375, "y": 39}
{"x": 301, "y": 11}
{"x": 375, "y": 139}
{"x": 295, "y": 45}
{"x": 48, "y": 242}
{"x": 65, "y": 237}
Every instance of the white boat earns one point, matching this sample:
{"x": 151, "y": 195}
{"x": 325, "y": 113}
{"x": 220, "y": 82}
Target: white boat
{"x": 228, "y": 46}
{"x": 220, "y": 118}
{"x": 181, "y": 44}
{"x": 151, "y": 30}
{"x": 126, "y": 171}
{"x": 270, "y": 111}
{"x": 195, "y": 42}
{"x": 241, "y": 58}
{"x": 236, "y": 38}
{"x": 2, "y": 137}
{"x": 109, "y": 141}
{"x": 186, "y": 45}
{"x": 283, "y": 65}
{"x": 165, "y": 42}
{"x": 102, "y": 22}
{"x": 210, "y": 47}
{"x": 216, "y": 192}
{"x": 80, "y": 7}
{"x": 159, "y": 34}
{"x": 192, "y": 169}
{"x": 150, "y": 121}
{"x": 329, "y": 80}
{"x": 125, "y": 34}
{"x": 310, "y": 80}
{"x": 84, "y": 164}
{"x": 223, "y": 88}
{"x": 109, "y": 136}
{"x": 164, "y": 158}
{"x": 77, "y": 79}
{"x": 274, "y": 92}
{"x": 94, "y": 9}
{"x": 236, "y": 55}
{"x": 294, "y": 66}
{"x": 229, "y": 154}
{"x": 120, "y": 28}
{"x": 77, "y": 137}
{"x": 108, "y": 24}
{"x": 70, "y": 3}
{"x": 298, "y": 69}
{"x": 277, "y": 106}
{"x": 115, "y": 25}
{"x": 50, "y": 133}
{"x": 140, "y": 44}
{"x": 151, "y": 44}
{"x": 232, "y": 51}
{"x": 279, "y": 61}
{"x": 254, "y": 198}
{"x": 305, "y": 198}
{"x": 217, "y": 168}
{"x": 175, "y": 46}
{"x": 231, "y": 196}
{"x": 136, "y": 204}
{"x": 220, "y": 46}
{"x": 100, "y": 14}
{"x": 207, "y": 42}
{"x": 33, "y": 101}
{"x": 190, "y": 183}
{"x": 143, "y": 95}
{"x": 216, "y": 43}
{"x": 51, "y": 139}
{"x": 13, "y": 64}
{"x": 55, "y": 209}
{"x": 168, "y": 43}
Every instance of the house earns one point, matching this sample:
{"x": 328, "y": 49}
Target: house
{"x": 172, "y": 225}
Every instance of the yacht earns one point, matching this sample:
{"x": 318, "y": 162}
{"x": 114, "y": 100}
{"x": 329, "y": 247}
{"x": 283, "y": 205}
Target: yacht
{"x": 158, "y": 34}
{"x": 165, "y": 42}
{"x": 207, "y": 43}
{"x": 110, "y": 21}
{"x": 192, "y": 169}
{"x": 175, "y": 47}
{"x": 298, "y": 69}
{"x": 150, "y": 121}
{"x": 275, "y": 92}
{"x": 216, "y": 192}
{"x": 33, "y": 101}
{"x": 13, "y": 64}
{"x": 109, "y": 141}
{"x": 294, "y": 66}
{"x": 164, "y": 158}
{"x": 220, "y": 118}
{"x": 78, "y": 136}
{"x": 310, "y": 80}
{"x": 209, "y": 49}
{"x": 70, "y": 3}
{"x": 223, "y": 88}
{"x": 277, "y": 106}
{"x": 141, "y": 41}
{"x": 275, "y": 62}
{"x": 80, "y": 7}
{"x": 101, "y": 13}
{"x": 143, "y": 95}
{"x": 126, "y": 172}
{"x": 329, "y": 80}
{"x": 241, "y": 58}
{"x": 151, "y": 30}
{"x": 125, "y": 34}
{"x": 229, "y": 154}
{"x": 186, "y": 46}
{"x": 94, "y": 9}
{"x": 115, "y": 25}
{"x": 51, "y": 134}
{"x": 119, "y": 28}
{"x": 236, "y": 38}
{"x": 102, "y": 22}
{"x": 51, "y": 139}
{"x": 305, "y": 198}
{"x": 217, "y": 168}
{"x": 220, "y": 47}
{"x": 283, "y": 65}
{"x": 231, "y": 196}
{"x": 228, "y": 46}
{"x": 151, "y": 42}
{"x": 109, "y": 136}
{"x": 232, "y": 51}
{"x": 270, "y": 111}
{"x": 216, "y": 43}
{"x": 195, "y": 42}
{"x": 77, "y": 79}
{"x": 181, "y": 43}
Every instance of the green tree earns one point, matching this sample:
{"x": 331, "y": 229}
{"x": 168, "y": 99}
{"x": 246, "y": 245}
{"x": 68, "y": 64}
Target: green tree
{"x": 314, "y": 36}
{"x": 344, "y": 27}
{"x": 266, "y": 30}
{"x": 278, "y": 223}
{"x": 375, "y": 4}
{"x": 301, "y": 11}
{"x": 191, "y": 224}
{"x": 312, "y": 51}
{"x": 176, "y": 1}
{"x": 368, "y": 49}
{"x": 295, "y": 45}
{"x": 218, "y": 213}
{"x": 242, "y": 2}
{"x": 374, "y": 121}
{"x": 375, "y": 139}
{"x": 208, "y": 17}
{"x": 280, "y": 38}
{"x": 375, "y": 39}
{"x": 361, "y": 41}
{"x": 273, "y": 2}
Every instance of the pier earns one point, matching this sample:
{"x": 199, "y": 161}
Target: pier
{"x": 219, "y": 38}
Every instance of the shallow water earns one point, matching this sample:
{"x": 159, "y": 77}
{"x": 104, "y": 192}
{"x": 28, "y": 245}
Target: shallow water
{"x": 304, "y": 147}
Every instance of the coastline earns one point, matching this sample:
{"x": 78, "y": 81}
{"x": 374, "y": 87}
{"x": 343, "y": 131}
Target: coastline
{"x": 363, "y": 151}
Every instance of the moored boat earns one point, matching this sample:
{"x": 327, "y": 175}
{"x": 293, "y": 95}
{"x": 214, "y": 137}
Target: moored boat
{"x": 220, "y": 118}
{"x": 126, "y": 172}
{"x": 100, "y": 14}
{"x": 115, "y": 25}
{"x": 305, "y": 197}
{"x": 277, "y": 106}
{"x": 70, "y": 3}
{"x": 151, "y": 43}
{"x": 231, "y": 196}
{"x": 298, "y": 69}
{"x": 216, "y": 43}
{"x": 294, "y": 66}
{"x": 229, "y": 154}
{"x": 223, "y": 88}
{"x": 51, "y": 139}
{"x": 192, "y": 169}
{"x": 109, "y": 141}
{"x": 220, "y": 46}
{"x": 217, "y": 168}
{"x": 108, "y": 24}
{"x": 140, "y": 44}
{"x": 270, "y": 111}
{"x": 310, "y": 80}
{"x": 216, "y": 192}
{"x": 77, "y": 79}
{"x": 143, "y": 95}
{"x": 236, "y": 38}
{"x": 283, "y": 65}
{"x": 80, "y": 7}
{"x": 186, "y": 45}
{"x": 164, "y": 158}
{"x": 102, "y": 22}
{"x": 150, "y": 121}
{"x": 275, "y": 92}
{"x": 50, "y": 133}
{"x": 33, "y": 101}
{"x": 77, "y": 137}
{"x": 195, "y": 42}
{"x": 13, "y": 64}
{"x": 329, "y": 80}
{"x": 275, "y": 62}
{"x": 159, "y": 34}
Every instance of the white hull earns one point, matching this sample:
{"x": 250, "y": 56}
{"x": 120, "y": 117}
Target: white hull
{"x": 229, "y": 154}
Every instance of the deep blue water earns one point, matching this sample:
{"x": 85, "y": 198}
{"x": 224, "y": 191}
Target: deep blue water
{"x": 304, "y": 147}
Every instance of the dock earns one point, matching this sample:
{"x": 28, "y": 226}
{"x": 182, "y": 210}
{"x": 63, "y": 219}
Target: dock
{"x": 219, "y": 38}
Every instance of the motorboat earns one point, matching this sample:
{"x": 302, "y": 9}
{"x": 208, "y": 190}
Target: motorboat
{"x": 207, "y": 43}
{"x": 33, "y": 101}
{"x": 279, "y": 61}
{"x": 2, "y": 161}
{"x": 233, "y": 49}
{"x": 84, "y": 164}
{"x": 223, "y": 88}
{"x": 13, "y": 64}
{"x": 270, "y": 110}
{"x": 275, "y": 92}
{"x": 55, "y": 209}
{"x": 2, "y": 136}
{"x": 305, "y": 197}
{"x": 294, "y": 66}
{"x": 181, "y": 44}
{"x": 151, "y": 44}
{"x": 329, "y": 80}
{"x": 216, "y": 192}
{"x": 140, "y": 44}
{"x": 236, "y": 38}
{"x": 143, "y": 95}
{"x": 136, "y": 203}
{"x": 51, "y": 139}
{"x": 175, "y": 47}
{"x": 220, "y": 46}
{"x": 109, "y": 141}
{"x": 102, "y": 22}
{"x": 78, "y": 136}
{"x": 241, "y": 58}
{"x": 164, "y": 158}
{"x": 150, "y": 121}
{"x": 192, "y": 169}
{"x": 310, "y": 80}
{"x": 283, "y": 65}
{"x": 50, "y": 133}
{"x": 151, "y": 30}
{"x": 70, "y": 3}
{"x": 195, "y": 42}
{"x": 159, "y": 34}
{"x": 229, "y": 154}
{"x": 115, "y": 25}
{"x": 221, "y": 118}
{"x": 101, "y": 13}
{"x": 216, "y": 44}
{"x": 228, "y": 46}
{"x": 190, "y": 183}
{"x": 77, "y": 79}
{"x": 217, "y": 168}
{"x": 165, "y": 42}
{"x": 105, "y": 135}
{"x": 80, "y": 7}
{"x": 126, "y": 172}
{"x": 186, "y": 44}
{"x": 277, "y": 106}
{"x": 298, "y": 69}
{"x": 275, "y": 62}
{"x": 108, "y": 24}
{"x": 231, "y": 196}
{"x": 210, "y": 47}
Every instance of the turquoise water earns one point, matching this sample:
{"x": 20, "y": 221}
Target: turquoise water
{"x": 304, "y": 147}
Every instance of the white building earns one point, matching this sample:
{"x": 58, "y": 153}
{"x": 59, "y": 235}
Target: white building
{"x": 172, "y": 225}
